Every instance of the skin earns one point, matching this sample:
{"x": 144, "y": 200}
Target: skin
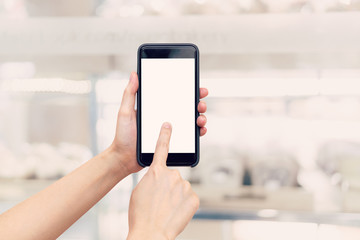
{"x": 47, "y": 214}
{"x": 170, "y": 202}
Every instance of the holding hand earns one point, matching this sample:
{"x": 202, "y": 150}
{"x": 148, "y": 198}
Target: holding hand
{"x": 162, "y": 203}
{"x": 160, "y": 207}
{"x": 124, "y": 144}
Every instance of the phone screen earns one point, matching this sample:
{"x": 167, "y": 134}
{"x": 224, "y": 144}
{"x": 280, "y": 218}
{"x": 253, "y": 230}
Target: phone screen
{"x": 168, "y": 95}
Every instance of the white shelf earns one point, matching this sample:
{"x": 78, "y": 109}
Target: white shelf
{"x": 340, "y": 218}
{"x": 255, "y": 33}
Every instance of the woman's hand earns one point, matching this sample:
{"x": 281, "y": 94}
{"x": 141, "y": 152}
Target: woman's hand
{"x": 124, "y": 144}
{"x": 162, "y": 203}
{"x": 51, "y": 211}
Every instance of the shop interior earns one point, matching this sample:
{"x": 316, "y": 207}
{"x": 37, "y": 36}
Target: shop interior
{"x": 281, "y": 159}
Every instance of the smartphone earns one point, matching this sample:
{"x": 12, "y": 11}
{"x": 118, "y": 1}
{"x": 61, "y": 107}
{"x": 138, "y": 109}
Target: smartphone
{"x": 168, "y": 92}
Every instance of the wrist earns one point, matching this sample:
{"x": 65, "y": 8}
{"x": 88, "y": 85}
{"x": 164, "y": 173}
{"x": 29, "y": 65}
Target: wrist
{"x": 115, "y": 161}
{"x": 140, "y": 235}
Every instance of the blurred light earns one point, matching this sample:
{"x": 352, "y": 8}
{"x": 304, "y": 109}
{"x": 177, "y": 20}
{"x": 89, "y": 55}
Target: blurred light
{"x": 306, "y": 9}
{"x": 13, "y": 8}
{"x": 200, "y": 1}
{"x": 346, "y": 2}
{"x": 157, "y": 5}
{"x": 47, "y": 85}
{"x": 332, "y": 232}
{"x": 118, "y": 9}
{"x": 9, "y": 4}
{"x": 279, "y": 87}
{"x": 263, "y": 230}
{"x": 314, "y": 180}
{"x": 261, "y": 87}
{"x": 268, "y": 213}
{"x": 131, "y": 11}
{"x": 340, "y": 86}
{"x": 259, "y": 230}
{"x": 9, "y": 70}
{"x": 110, "y": 90}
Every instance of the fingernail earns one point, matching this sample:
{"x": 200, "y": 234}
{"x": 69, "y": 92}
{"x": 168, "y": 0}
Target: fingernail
{"x": 166, "y": 125}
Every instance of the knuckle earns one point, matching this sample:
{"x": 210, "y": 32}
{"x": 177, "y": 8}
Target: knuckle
{"x": 164, "y": 144}
{"x": 124, "y": 112}
{"x": 195, "y": 200}
{"x": 173, "y": 176}
{"x": 176, "y": 174}
{"x": 127, "y": 90}
{"x": 155, "y": 171}
{"x": 187, "y": 186}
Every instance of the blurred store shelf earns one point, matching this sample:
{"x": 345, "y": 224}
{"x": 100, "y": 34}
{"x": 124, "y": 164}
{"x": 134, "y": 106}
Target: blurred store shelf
{"x": 246, "y": 203}
{"x": 281, "y": 153}
{"x": 255, "y": 198}
{"x": 345, "y": 219}
{"x": 256, "y": 33}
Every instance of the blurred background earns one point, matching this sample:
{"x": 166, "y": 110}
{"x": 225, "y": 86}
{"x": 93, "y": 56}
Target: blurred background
{"x": 281, "y": 159}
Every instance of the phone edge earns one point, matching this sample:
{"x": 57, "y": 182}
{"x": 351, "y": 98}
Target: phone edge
{"x": 197, "y": 100}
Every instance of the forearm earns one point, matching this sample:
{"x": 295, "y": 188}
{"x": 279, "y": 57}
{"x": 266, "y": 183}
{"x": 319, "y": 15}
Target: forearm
{"x": 47, "y": 214}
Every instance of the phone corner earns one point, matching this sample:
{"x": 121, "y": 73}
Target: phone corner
{"x": 196, "y": 162}
{"x": 194, "y": 46}
{"x": 143, "y": 45}
{"x": 139, "y": 162}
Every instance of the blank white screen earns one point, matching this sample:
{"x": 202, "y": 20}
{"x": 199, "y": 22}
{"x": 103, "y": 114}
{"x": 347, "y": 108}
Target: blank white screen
{"x": 168, "y": 95}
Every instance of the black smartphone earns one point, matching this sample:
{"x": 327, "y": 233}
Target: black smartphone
{"x": 168, "y": 92}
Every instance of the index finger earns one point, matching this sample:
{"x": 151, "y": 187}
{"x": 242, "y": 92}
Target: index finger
{"x": 162, "y": 146}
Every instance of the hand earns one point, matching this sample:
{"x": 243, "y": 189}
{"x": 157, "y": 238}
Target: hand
{"x": 124, "y": 144}
{"x": 162, "y": 203}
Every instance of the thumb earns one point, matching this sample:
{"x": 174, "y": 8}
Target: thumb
{"x": 128, "y": 99}
{"x": 162, "y": 146}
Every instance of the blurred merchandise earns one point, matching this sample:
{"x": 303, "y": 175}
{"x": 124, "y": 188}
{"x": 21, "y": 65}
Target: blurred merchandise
{"x": 341, "y": 159}
{"x": 254, "y": 198}
{"x": 282, "y": 147}
{"x": 273, "y": 169}
{"x": 221, "y": 167}
{"x": 42, "y": 161}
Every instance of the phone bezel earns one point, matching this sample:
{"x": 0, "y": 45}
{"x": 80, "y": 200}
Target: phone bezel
{"x": 164, "y": 50}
